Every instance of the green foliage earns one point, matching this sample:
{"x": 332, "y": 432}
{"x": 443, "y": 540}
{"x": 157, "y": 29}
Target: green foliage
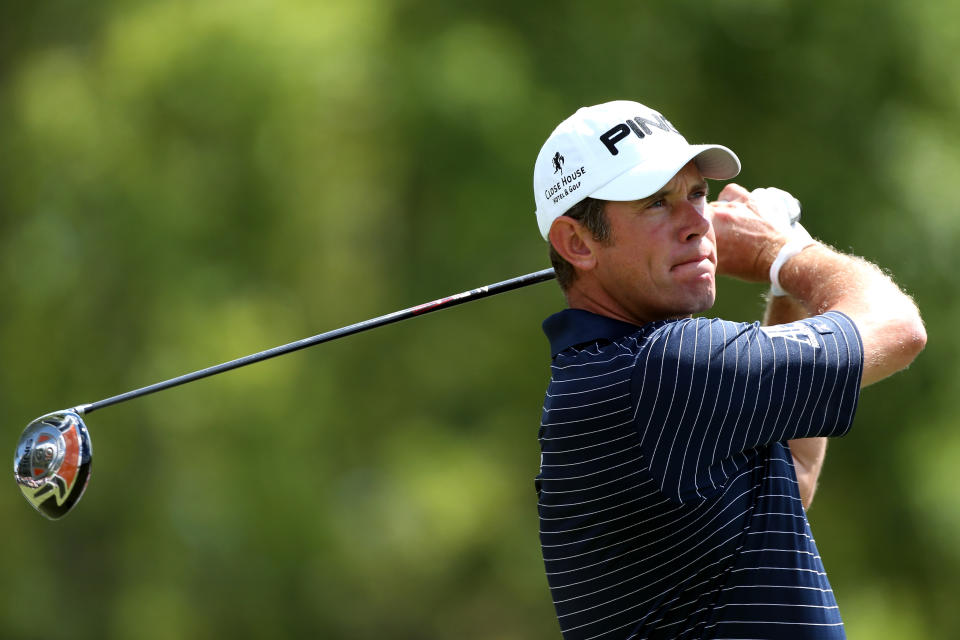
{"x": 182, "y": 183}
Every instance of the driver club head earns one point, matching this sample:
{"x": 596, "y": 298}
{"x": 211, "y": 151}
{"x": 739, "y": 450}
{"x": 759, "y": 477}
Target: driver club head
{"x": 52, "y": 462}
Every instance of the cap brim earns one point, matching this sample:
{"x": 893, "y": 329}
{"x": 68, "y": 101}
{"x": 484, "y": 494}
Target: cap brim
{"x": 714, "y": 161}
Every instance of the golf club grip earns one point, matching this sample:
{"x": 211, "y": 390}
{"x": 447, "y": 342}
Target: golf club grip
{"x": 396, "y": 316}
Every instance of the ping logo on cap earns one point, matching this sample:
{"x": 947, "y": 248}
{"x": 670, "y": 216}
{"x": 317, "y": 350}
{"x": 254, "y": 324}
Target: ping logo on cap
{"x": 639, "y": 126}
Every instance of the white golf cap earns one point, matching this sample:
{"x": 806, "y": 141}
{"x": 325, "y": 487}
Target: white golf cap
{"x": 618, "y": 150}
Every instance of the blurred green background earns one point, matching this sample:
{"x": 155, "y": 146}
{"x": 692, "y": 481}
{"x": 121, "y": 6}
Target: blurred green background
{"x": 182, "y": 183}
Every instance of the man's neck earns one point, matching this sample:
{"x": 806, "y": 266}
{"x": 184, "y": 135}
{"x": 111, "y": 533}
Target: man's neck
{"x": 597, "y": 300}
{"x": 579, "y": 297}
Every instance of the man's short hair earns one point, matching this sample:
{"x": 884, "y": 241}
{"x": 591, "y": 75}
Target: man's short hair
{"x": 590, "y": 212}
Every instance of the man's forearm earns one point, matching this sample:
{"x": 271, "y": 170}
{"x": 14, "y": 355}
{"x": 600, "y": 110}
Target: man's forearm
{"x": 808, "y": 453}
{"x": 889, "y": 323}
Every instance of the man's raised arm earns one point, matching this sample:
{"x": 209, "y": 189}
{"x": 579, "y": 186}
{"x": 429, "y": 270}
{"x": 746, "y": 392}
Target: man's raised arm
{"x": 823, "y": 279}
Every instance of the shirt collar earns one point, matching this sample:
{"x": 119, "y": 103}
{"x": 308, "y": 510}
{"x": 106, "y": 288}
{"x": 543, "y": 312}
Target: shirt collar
{"x": 576, "y": 326}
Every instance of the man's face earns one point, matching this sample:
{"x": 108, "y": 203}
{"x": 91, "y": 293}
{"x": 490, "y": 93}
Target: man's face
{"x": 661, "y": 259}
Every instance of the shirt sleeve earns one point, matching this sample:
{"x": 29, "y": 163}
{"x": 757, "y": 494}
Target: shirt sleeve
{"x": 708, "y": 391}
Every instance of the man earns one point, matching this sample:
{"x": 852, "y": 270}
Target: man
{"x": 678, "y": 453}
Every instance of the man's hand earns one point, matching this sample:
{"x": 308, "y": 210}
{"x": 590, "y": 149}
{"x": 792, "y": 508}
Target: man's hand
{"x": 747, "y": 241}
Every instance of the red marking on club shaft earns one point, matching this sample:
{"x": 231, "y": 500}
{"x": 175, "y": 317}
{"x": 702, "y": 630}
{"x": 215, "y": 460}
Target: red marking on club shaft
{"x": 429, "y": 305}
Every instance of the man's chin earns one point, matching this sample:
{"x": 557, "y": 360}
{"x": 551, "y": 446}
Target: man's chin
{"x": 703, "y": 302}
{"x": 689, "y": 307}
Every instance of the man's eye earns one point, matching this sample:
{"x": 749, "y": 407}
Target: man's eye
{"x": 696, "y": 195}
{"x": 657, "y": 203}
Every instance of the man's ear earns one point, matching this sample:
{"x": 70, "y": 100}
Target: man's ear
{"x": 573, "y": 242}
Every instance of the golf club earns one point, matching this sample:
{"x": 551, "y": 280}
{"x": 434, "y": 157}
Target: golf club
{"x": 53, "y": 457}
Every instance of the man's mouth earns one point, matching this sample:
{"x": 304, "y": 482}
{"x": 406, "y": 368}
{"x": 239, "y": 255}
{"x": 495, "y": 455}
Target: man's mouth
{"x": 697, "y": 261}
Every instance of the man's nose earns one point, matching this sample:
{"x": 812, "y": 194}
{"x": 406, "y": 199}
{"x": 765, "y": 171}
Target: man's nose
{"x": 695, "y": 220}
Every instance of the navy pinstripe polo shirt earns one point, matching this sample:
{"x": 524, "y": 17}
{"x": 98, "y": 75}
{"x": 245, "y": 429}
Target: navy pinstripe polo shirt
{"x": 668, "y": 501}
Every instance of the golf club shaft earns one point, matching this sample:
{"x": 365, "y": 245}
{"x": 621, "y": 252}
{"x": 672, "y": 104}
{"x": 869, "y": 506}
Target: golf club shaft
{"x": 396, "y": 316}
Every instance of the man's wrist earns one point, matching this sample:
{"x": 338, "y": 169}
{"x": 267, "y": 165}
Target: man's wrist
{"x": 798, "y": 243}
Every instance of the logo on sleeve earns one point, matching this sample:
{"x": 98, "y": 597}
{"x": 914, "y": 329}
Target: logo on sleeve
{"x": 795, "y": 332}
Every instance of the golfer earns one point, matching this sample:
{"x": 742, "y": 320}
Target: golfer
{"x": 679, "y": 453}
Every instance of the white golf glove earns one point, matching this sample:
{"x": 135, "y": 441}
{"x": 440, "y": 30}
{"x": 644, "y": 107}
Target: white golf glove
{"x": 782, "y": 210}
{"x": 777, "y": 206}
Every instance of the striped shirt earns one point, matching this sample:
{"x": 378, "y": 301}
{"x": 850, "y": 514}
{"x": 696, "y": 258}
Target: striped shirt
{"x": 668, "y": 500}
